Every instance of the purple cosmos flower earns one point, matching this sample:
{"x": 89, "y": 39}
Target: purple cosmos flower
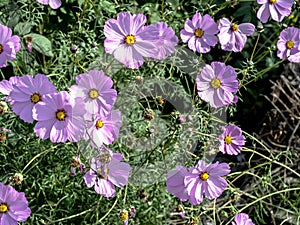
{"x": 231, "y": 140}
{"x": 166, "y": 42}
{"x": 13, "y": 206}
{"x": 206, "y": 179}
{"x": 54, "y": 4}
{"x": 9, "y": 45}
{"x": 95, "y": 88}
{"x": 75, "y": 163}
{"x": 278, "y": 9}
{"x": 59, "y": 117}
{"x": 175, "y": 183}
{"x": 200, "y": 33}
{"x": 107, "y": 171}
{"x": 233, "y": 37}
{"x": 104, "y": 129}
{"x": 129, "y": 40}
{"x": 216, "y": 84}
{"x": 6, "y": 86}
{"x": 242, "y": 219}
{"x": 27, "y": 92}
{"x": 289, "y": 44}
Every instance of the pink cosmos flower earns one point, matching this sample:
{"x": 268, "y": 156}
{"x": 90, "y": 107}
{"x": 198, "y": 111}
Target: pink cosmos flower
{"x": 175, "y": 183}
{"x": 95, "y": 88}
{"x": 104, "y": 128}
{"x": 233, "y": 37}
{"x": 242, "y": 219}
{"x": 200, "y": 33}
{"x": 278, "y": 9}
{"x": 129, "y": 40}
{"x": 231, "y": 140}
{"x": 216, "y": 84}
{"x": 54, "y": 4}
{"x": 27, "y": 92}
{"x": 289, "y": 44}
{"x": 6, "y": 87}
{"x": 206, "y": 179}
{"x": 166, "y": 42}
{"x": 107, "y": 171}
{"x": 9, "y": 45}
{"x": 59, "y": 117}
{"x": 13, "y": 206}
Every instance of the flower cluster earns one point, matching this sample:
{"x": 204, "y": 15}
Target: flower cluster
{"x": 200, "y": 34}
{"x": 202, "y": 179}
{"x": 130, "y": 41}
{"x": 9, "y": 45}
{"x": 86, "y": 112}
{"x": 289, "y": 44}
{"x": 231, "y": 140}
{"x": 278, "y": 9}
{"x": 13, "y": 206}
{"x": 216, "y": 84}
{"x": 106, "y": 172}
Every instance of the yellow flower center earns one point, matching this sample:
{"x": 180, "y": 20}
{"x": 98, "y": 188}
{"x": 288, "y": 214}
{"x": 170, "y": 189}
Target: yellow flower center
{"x": 290, "y": 44}
{"x": 199, "y": 32}
{"x": 93, "y": 93}
{"x": 234, "y": 27}
{"x": 228, "y": 140}
{"x": 1, "y": 49}
{"x": 61, "y": 115}
{"x": 215, "y": 83}
{"x": 272, "y": 1}
{"x": 123, "y": 215}
{"x": 130, "y": 39}
{"x": 204, "y": 176}
{"x": 35, "y": 98}
{"x": 3, "y": 208}
{"x": 99, "y": 124}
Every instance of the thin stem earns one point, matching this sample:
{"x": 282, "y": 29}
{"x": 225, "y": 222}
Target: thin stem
{"x": 262, "y": 73}
{"x": 252, "y": 55}
{"x": 38, "y": 155}
{"x": 272, "y": 160}
{"x": 260, "y": 199}
{"x": 108, "y": 212}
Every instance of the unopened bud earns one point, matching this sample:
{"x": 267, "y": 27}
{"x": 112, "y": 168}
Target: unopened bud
{"x": 3, "y": 108}
{"x": 17, "y": 178}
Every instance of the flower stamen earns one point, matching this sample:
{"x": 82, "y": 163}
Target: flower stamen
{"x": 199, "y": 32}
{"x": 272, "y": 1}
{"x": 228, "y": 140}
{"x": 3, "y": 208}
{"x": 93, "y": 93}
{"x": 61, "y": 114}
{"x": 99, "y": 124}
{"x": 215, "y": 83}
{"x": 35, "y": 98}
{"x": 1, "y": 49}
{"x": 290, "y": 44}
{"x": 129, "y": 39}
{"x": 204, "y": 176}
{"x": 234, "y": 27}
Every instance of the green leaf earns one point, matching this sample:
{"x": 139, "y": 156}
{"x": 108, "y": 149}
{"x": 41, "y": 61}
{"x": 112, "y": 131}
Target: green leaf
{"x": 22, "y": 28}
{"x": 4, "y": 3}
{"x": 41, "y": 44}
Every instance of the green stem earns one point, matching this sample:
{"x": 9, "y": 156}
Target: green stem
{"x": 264, "y": 197}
